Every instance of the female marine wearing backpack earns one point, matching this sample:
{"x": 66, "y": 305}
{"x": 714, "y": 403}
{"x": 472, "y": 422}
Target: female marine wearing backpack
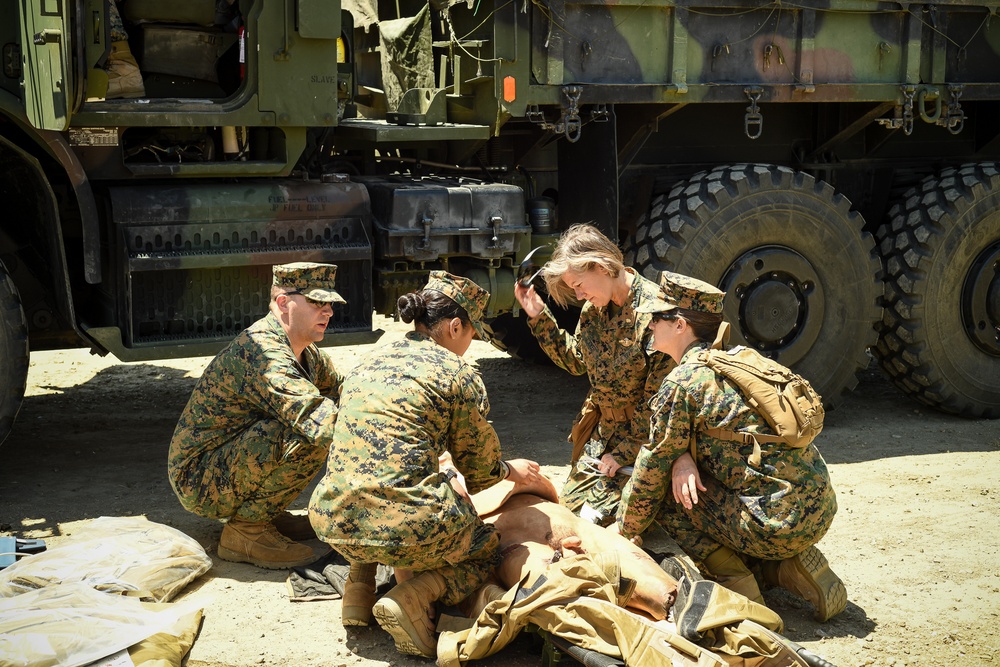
{"x": 735, "y": 501}
{"x": 613, "y": 346}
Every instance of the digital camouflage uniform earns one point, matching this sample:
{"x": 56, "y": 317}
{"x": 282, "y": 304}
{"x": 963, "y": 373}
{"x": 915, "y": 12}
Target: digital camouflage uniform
{"x": 258, "y": 425}
{"x": 383, "y": 498}
{"x": 772, "y": 510}
{"x": 613, "y": 346}
{"x": 770, "y": 506}
{"x": 118, "y": 33}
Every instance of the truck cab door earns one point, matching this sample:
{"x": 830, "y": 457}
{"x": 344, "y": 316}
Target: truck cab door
{"x": 46, "y": 62}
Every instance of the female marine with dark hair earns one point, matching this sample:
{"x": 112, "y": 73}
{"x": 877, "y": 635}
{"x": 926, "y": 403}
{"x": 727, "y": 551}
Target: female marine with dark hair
{"x": 412, "y": 441}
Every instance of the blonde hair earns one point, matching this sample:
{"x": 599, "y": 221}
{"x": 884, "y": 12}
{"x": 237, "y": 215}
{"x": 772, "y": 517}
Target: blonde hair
{"x": 581, "y": 248}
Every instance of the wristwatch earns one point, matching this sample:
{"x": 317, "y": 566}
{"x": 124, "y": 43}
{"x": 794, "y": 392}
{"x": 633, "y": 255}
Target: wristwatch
{"x": 450, "y": 474}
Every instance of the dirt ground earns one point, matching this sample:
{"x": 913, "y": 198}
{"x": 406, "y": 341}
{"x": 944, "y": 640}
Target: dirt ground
{"x": 916, "y": 538}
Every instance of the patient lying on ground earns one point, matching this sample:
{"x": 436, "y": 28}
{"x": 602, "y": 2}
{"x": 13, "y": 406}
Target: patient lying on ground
{"x": 536, "y": 531}
{"x": 572, "y": 579}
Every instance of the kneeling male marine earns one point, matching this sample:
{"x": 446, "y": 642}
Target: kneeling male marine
{"x": 258, "y": 425}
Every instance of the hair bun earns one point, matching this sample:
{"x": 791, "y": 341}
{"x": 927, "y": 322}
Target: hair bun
{"x": 411, "y": 307}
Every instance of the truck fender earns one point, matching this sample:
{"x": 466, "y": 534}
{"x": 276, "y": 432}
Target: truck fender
{"x": 59, "y": 149}
{"x": 53, "y": 231}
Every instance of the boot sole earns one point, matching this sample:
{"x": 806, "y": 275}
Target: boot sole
{"x": 354, "y": 622}
{"x": 237, "y": 557}
{"x": 356, "y": 615}
{"x": 678, "y": 567}
{"x": 826, "y": 592}
{"x": 393, "y": 619}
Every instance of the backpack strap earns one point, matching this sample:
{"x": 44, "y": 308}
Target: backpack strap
{"x": 721, "y": 336}
{"x": 747, "y": 438}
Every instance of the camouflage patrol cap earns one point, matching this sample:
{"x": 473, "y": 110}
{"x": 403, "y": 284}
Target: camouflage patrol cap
{"x": 309, "y": 279}
{"x": 680, "y": 291}
{"x": 465, "y": 293}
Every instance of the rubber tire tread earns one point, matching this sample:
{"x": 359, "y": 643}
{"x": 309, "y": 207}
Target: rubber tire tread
{"x": 697, "y": 209}
{"x": 928, "y": 236}
{"x": 13, "y": 353}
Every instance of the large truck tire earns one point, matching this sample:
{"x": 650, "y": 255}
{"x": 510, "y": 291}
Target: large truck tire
{"x": 939, "y": 338}
{"x": 801, "y": 277}
{"x": 13, "y": 353}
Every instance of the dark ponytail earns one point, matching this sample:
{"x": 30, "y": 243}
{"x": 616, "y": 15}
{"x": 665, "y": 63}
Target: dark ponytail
{"x": 428, "y": 307}
{"x": 704, "y": 326}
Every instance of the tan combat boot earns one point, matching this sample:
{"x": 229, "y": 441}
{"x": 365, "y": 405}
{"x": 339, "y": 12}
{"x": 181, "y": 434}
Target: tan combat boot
{"x": 728, "y": 569}
{"x": 294, "y": 526}
{"x": 809, "y": 576}
{"x": 124, "y": 77}
{"x": 405, "y": 612}
{"x": 474, "y": 605}
{"x": 359, "y": 594}
{"x": 262, "y": 545}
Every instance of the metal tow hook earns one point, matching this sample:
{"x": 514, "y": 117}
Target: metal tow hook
{"x": 908, "y": 93}
{"x": 572, "y": 126}
{"x": 753, "y": 116}
{"x": 569, "y": 124}
{"x": 954, "y": 119}
{"x": 929, "y": 93}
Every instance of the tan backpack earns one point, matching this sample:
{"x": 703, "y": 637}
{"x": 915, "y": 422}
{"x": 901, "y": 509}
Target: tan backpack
{"x": 793, "y": 410}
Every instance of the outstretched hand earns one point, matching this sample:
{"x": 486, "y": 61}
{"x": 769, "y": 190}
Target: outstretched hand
{"x": 523, "y": 471}
{"x": 686, "y": 480}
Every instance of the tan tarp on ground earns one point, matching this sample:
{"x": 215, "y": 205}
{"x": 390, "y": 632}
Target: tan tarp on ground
{"x": 71, "y": 624}
{"x": 128, "y": 555}
{"x": 576, "y": 601}
{"x": 571, "y": 604}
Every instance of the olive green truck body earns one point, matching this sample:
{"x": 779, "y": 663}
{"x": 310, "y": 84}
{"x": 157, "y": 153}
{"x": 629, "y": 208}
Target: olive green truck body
{"x": 832, "y": 165}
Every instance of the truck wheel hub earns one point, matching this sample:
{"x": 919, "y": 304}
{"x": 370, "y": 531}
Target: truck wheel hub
{"x": 773, "y": 292}
{"x": 981, "y": 301}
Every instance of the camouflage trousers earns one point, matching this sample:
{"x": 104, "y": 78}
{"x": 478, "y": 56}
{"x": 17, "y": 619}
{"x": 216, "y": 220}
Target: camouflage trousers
{"x": 723, "y": 517}
{"x": 255, "y": 476}
{"x": 599, "y": 493}
{"x": 118, "y": 33}
{"x": 465, "y": 561}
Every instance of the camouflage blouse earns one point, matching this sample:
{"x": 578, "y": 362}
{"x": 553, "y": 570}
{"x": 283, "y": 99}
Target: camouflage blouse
{"x": 256, "y": 378}
{"x": 614, "y": 347}
{"x": 403, "y": 406}
{"x": 777, "y": 486}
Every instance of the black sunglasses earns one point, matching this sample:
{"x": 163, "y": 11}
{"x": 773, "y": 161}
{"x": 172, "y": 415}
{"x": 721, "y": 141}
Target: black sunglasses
{"x": 528, "y": 271}
{"x": 311, "y": 302}
{"x": 667, "y": 316}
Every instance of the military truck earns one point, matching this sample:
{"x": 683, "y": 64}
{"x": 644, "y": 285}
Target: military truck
{"x": 831, "y": 164}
